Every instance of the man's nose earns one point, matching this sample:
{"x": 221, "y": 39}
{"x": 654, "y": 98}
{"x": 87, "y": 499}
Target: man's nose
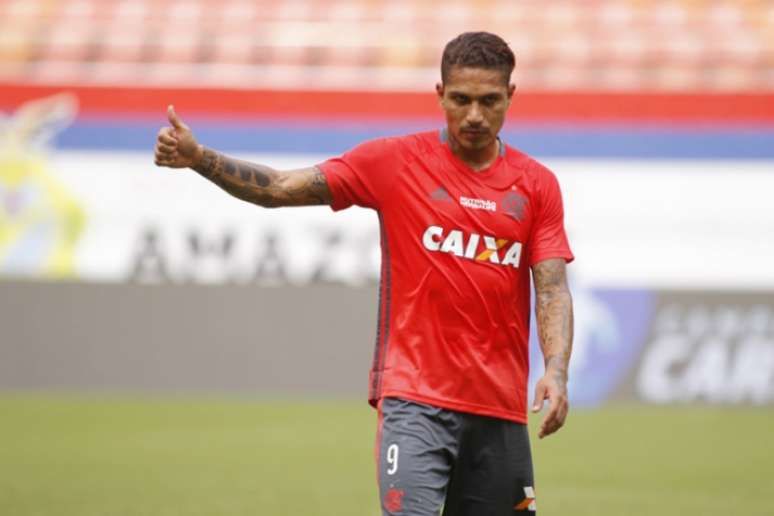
{"x": 475, "y": 117}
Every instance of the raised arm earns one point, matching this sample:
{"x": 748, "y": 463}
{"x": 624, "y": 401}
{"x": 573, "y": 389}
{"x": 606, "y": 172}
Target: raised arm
{"x": 176, "y": 147}
{"x": 553, "y": 308}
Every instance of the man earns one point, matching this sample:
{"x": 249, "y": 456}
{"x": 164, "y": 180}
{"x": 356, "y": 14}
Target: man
{"x": 463, "y": 218}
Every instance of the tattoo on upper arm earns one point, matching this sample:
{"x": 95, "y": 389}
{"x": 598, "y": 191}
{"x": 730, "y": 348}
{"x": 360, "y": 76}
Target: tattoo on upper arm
{"x": 262, "y": 185}
{"x": 318, "y": 187}
{"x": 319, "y": 180}
{"x": 550, "y": 274}
{"x": 305, "y": 187}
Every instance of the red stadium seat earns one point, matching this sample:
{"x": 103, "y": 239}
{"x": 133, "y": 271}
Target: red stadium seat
{"x": 609, "y": 44}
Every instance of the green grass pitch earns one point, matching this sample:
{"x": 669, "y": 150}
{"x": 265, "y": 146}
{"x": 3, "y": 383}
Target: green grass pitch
{"x": 81, "y": 456}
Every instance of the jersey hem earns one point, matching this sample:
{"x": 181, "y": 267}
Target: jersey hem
{"x": 458, "y": 406}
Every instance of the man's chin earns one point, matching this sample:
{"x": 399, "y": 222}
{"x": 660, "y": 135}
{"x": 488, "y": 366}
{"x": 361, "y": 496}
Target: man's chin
{"x": 475, "y": 143}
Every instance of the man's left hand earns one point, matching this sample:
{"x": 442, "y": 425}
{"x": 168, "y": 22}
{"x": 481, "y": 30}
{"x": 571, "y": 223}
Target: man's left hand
{"x": 552, "y": 387}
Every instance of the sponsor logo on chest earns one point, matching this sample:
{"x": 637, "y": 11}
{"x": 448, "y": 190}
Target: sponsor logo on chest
{"x": 472, "y": 246}
{"x": 478, "y": 204}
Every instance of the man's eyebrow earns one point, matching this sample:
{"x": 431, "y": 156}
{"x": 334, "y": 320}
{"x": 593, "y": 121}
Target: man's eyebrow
{"x": 469, "y": 94}
{"x": 490, "y": 95}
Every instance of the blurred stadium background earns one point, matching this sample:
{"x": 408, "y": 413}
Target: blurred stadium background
{"x": 166, "y": 349}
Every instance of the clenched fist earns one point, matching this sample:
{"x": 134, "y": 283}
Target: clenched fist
{"x": 176, "y": 146}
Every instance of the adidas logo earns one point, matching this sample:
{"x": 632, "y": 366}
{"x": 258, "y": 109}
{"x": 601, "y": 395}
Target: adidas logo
{"x": 441, "y": 195}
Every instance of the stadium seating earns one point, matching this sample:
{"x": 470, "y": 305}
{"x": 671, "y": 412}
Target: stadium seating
{"x": 664, "y": 45}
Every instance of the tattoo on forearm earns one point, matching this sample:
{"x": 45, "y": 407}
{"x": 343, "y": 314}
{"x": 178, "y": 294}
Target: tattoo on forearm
{"x": 557, "y": 365}
{"x": 229, "y": 167}
{"x": 208, "y": 164}
{"x": 263, "y": 185}
{"x": 553, "y": 309}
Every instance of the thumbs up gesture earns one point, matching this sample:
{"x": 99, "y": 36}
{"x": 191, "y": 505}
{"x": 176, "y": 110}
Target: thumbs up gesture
{"x": 176, "y": 146}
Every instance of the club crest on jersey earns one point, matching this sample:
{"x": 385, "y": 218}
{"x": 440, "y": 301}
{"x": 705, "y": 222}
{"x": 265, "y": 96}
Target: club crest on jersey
{"x": 513, "y": 204}
{"x": 482, "y": 248}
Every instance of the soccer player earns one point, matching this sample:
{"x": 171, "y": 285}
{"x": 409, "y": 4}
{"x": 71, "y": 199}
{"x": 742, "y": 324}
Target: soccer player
{"x": 463, "y": 218}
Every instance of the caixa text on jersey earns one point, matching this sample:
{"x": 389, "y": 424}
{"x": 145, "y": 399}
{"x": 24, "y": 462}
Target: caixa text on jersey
{"x": 482, "y": 248}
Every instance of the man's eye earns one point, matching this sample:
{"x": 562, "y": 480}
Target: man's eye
{"x": 460, "y": 99}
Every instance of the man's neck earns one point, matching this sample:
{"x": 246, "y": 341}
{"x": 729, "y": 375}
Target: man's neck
{"x": 477, "y": 159}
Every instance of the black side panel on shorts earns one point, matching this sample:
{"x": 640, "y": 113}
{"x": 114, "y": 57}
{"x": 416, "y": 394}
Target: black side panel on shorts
{"x": 493, "y": 474}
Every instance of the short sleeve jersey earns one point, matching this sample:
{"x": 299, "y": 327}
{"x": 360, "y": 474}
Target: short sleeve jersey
{"x": 457, "y": 246}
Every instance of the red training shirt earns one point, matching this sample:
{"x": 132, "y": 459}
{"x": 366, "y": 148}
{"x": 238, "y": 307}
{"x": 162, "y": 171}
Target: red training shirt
{"x": 457, "y": 244}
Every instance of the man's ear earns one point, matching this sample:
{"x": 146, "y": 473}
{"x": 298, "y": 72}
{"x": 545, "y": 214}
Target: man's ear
{"x": 511, "y": 90}
{"x": 439, "y": 91}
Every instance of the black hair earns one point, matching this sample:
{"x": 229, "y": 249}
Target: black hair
{"x": 478, "y": 50}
